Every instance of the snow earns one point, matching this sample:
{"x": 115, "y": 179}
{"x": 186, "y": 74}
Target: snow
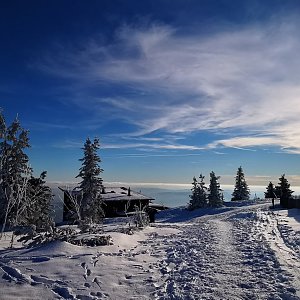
{"x": 238, "y": 252}
{"x": 116, "y": 194}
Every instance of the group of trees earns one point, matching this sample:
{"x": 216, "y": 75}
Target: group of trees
{"x": 212, "y": 196}
{"x": 25, "y": 200}
{"x": 281, "y": 191}
{"x": 203, "y": 197}
{"x": 206, "y": 197}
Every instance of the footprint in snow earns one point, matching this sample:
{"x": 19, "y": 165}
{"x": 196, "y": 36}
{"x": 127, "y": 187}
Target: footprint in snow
{"x": 95, "y": 262}
{"x": 99, "y": 294}
{"x": 64, "y": 292}
{"x": 40, "y": 259}
{"x": 30, "y": 269}
{"x": 97, "y": 281}
{"x": 88, "y": 272}
{"x": 14, "y": 274}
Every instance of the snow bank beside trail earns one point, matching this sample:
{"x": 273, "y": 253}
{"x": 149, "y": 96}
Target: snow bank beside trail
{"x": 57, "y": 248}
{"x": 181, "y": 214}
{"x": 289, "y": 226}
{"x": 278, "y": 229}
{"x": 127, "y": 242}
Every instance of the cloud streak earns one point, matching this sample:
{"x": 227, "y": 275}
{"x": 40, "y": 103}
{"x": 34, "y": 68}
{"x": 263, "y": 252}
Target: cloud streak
{"x": 243, "y": 83}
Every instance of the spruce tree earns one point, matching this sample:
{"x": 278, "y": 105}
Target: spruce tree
{"x": 202, "y": 191}
{"x": 215, "y": 196}
{"x": 39, "y": 208}
{"x": 14, "y": 171}
{"x": 271, "y": 192}
{"x": 241, "y": 189}
{"x": 194, "y": 195}
{"x": 283, "y": 191}
{"x": 91, "y": 184}
{"x": 199, "y": 194}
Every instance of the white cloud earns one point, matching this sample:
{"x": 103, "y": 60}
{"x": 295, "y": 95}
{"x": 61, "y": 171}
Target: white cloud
{"x": 245, "y": 79}
{"x": 123, "y": 145}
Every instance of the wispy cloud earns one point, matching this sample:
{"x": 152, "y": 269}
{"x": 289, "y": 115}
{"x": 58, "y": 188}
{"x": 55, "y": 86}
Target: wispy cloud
{"x": 123, "y": 145}
{"x": 242, "y": 82}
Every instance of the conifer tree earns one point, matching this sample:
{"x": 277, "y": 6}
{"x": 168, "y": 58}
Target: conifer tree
{"x": 271, "y": 192}
{"x": 14, "y": 169}
{"x": 241, "y": 189}
{"x": 38, "y": 210}
{"x": 194, "y": 195}
{"x": 215, "y": 196}
{"x": 199, "y": 194}
{"x": 202, "y": 191}
{"x": 91, "y": 184}
{"x": 284, "y": 191}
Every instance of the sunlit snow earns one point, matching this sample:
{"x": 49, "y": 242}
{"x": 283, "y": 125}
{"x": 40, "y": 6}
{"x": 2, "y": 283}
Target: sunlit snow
{"x": 242, "y": 252}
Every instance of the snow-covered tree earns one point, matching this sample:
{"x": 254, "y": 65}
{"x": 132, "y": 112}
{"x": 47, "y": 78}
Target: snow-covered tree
{"x": 215, "y": 196}
{"x": 91, "y": 184}
{"x": 241, "y": 189}
{"x": 194, "y": 195}
{"x": 271, "y": 192}
{"x": 15, "y": 204}
{"x": 283, "y": 191}
{"x": 199, "y": 194}
{"x": 38, "y": 209}
{"x": 14, "y": 169}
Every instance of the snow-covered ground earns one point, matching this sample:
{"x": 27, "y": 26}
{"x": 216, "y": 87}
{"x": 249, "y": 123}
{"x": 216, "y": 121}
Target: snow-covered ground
{"x": 246, "y": 252}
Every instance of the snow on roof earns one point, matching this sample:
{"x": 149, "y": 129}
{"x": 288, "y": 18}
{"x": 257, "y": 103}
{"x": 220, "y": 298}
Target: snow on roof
{"x": 116, "y": 194}
{"x": 121, "y": 193}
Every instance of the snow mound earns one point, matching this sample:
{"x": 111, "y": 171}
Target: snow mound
{"x": 56, "y": 248}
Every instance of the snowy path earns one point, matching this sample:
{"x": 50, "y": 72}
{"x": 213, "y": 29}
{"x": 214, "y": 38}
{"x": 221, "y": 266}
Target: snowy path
{"x": 279, "y": 238}
{"x": 241, "y": 253}
{"x": 224, "y": 256}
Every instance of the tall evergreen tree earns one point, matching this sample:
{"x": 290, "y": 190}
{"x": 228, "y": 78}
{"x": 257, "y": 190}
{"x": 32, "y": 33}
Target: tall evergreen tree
{"x": 202, "y": 191}
{"x": 215, "y": 196}
{"x": 241, "y": 189}
{"x": 199, "y": 194}
{"x": 91, "y": 184}
{"x": 39, "y": 208}
{"x": 283, "y": 191}
{"x": 271, "y": 192}
{"x": 14, "y": 169}
{"x": 194, "y": 195}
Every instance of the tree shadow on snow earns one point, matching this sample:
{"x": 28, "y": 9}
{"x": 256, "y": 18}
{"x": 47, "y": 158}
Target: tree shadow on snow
{"x": 294, "y": 213}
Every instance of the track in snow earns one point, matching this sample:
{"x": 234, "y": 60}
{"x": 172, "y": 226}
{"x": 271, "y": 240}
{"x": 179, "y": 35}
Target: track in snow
{"x": 223, "y": 257}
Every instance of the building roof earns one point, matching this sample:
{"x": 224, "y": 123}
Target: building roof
{"x": 117, "y": 194}
{"x": 121, "y": 193}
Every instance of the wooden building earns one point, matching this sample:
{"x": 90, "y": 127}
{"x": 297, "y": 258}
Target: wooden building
{"x": 117, "y": 201}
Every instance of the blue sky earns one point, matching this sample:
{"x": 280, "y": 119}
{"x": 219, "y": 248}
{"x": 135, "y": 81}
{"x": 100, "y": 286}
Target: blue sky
{"x": 171, "y": 88}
